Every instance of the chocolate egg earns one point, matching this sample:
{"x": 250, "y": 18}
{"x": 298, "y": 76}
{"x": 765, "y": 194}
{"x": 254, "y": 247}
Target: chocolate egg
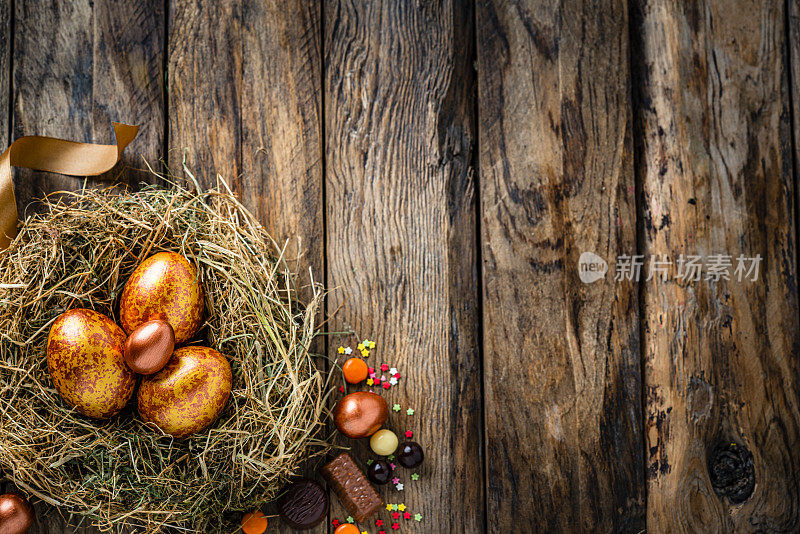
{"x": 85, "y": 358}
{"x": 188, "y": 394}
{"x": 148, "y": 348}
{"x": 165, "y": 286}
{"x": 360, "y": 414}
{"x": 16, "y": 514}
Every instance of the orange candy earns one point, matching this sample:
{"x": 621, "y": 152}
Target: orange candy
{"x": 346, "y": 528}
{"x": 254, "y": 523}
{"x": 355, "y": 370}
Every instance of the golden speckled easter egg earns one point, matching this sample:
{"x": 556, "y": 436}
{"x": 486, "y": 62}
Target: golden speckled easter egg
{"x": 165, "y": 286}
{"x": 84, "y": 355}
{"x": 188, "y": 394}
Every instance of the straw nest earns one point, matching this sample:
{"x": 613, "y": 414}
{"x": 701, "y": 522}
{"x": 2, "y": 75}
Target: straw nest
{"x": 120, "y": 473}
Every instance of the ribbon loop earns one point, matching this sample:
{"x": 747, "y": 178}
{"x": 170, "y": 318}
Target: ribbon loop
{"x": 54, "y": 155}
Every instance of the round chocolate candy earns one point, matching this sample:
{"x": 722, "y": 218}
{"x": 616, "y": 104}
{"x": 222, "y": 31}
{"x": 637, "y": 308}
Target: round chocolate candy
{"x": 304, "y": 504}
{"x": 383, "y": 442}
{"x": 149, "y": 347}
{"x": 379, "y": 472}
{"x": 410, "y": 454}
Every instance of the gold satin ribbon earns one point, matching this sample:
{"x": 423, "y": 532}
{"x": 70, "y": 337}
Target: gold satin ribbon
{"x": 54, "y": 155}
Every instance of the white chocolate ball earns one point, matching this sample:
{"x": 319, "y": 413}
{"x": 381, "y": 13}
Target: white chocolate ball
{"x": 383, "y": 442}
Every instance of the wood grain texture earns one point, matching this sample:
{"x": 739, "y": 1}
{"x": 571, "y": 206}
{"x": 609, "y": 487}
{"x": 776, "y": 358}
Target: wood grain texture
{"x": 561, "y": 358}
{"x": 399, "y": 135}
{"x": 245, "y": 101}
{"x": 205, "y": 86}
{"x": 282, "y": 126}
{"x": 720, "y": 357}
{"x": 5, "y": 69}
{"x": 78, "y": 66}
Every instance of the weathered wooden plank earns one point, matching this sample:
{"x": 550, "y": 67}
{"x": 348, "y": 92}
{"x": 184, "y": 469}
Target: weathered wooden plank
{"x": 721, "y": 370}
{"x": 78, "y": 66}
{"x": 205, "y": 85}
{"x": 282, "y": 126}
{"x": 399, "y": 134}
{"x": 5, "y": 69}
{"x": 793, "y": 50}
{"x": 245, "y": 101}
{"x": 561, "y": 357}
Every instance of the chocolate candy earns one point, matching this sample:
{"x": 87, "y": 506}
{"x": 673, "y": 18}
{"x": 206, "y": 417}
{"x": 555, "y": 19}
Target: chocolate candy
{"x": 16, "y": 514}
{"x": 360, "y": 414}
{"x": 304, "y": 505}
{"x": 379, "y": 472}
{"x": 352, "y": 487}
{"x": 410, "y": 454}
{"x": 383, "y": 442}
{"x": 148, "y": 348}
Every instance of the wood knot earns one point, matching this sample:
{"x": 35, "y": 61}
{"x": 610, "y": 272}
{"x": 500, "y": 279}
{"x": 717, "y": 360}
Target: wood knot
{"x": 731, "y": 471}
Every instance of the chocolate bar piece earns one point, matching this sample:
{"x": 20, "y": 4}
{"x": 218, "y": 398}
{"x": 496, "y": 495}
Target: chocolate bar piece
{"x": 352, "y": 487}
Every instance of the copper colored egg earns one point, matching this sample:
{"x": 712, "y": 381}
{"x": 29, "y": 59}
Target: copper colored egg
{"x": 16, "y": 514}
{"x": 148, "y": 348}
{"x": 360, "y": 414}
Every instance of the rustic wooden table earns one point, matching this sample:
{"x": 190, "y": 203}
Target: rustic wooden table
{"x": 445, "y": 164}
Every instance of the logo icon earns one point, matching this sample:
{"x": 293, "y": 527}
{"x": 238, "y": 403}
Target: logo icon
{"x": 591, "y": 267}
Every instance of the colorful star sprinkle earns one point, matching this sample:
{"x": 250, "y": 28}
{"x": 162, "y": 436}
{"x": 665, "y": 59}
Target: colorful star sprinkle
{"x": 402, "y": 507}
{"x": 386, "y": 385}
{"x": 370, "y": 382}
{"x": 335, "y": 523}
{"x": 350, "y": 519}
{"x": 395, "y": 480}
{"x": 388, "y": 507}
{"x": 409, "y": 434}
{"x": 407, "y": 515}
{"x": 393, "y": 466}
{"x": 390, "y": 457}
{"x": 396, "y": 407}
{"x": 384, "y": 367}
{"x": 396, "y": 526}
{"x": 341, "y": 350}
{"x": 341, "y": 389}
{"x": 393, "y": 371}
{"x": 415, "y": 476}
{"x": 371, "y": 344}
{"x": 395, "y": 515}
{"x": 410, "y": 411}
{"x": 400, "y": 487}
{"x": 360, "y": 346}
{"x": 348, "y": 350}
{"x": 395, "y": 507}
{"x": 417, "y": 517}
{"x": 379, "y": 522}
{"x": 369, "y": 461}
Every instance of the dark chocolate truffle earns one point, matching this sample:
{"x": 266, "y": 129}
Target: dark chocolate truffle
{"x": 379, "y": 472}
{"x": 304, "y": 505}
{"x": 409, "y": 454}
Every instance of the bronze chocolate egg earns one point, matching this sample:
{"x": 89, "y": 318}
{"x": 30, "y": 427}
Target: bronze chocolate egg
{"x": 148, "y": 348}
{"x": 16, "y": 514}
{"x": 360, "y": 414}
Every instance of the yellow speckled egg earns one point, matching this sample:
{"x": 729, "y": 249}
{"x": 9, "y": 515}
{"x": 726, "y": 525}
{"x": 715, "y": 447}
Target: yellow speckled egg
{"x": 165, "y": 286}
{"x": 85, "y": 358}
{"x": 188, "y": 394}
